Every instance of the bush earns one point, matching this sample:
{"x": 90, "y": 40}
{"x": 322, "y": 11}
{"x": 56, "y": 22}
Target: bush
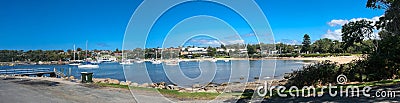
{"x": 289, "y": 55}
{"x": 320, "y": 73}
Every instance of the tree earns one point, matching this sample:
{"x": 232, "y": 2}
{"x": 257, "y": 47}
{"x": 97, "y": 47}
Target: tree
{"x": 251, "y": 49}
{"x": 356, "y": 32}
{"x": 223, "y": 46}
{"x": 322, "y": 46}
{"x": 78, "y": 49}
{"x": 336, "y": 47}
{"x": 211, "y": 51}
{"x": 306, "y": 44}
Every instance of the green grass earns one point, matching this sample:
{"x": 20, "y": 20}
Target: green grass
{"x": 187, "y": 95}
{"x": 112, "y": 85}
{"x": 377, "y": 83}
{"x": 168, "y": 93}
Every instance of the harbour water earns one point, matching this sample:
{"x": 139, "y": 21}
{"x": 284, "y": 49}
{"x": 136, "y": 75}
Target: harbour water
{"x": 188, "y": 72}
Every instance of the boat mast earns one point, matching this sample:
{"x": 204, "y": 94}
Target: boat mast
{"x": 156, "y": 53}
{"x": 74, "y": 52}
{"x": 86, "y": 50}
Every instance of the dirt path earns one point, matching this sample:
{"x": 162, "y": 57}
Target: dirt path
{"x": 21, "y": 90}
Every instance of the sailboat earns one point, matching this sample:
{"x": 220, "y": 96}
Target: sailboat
{"x": 155, "y": 61}
{"x": 226, "y": 60}
{"x": 126, "y": 62}
{"x": 172, "y": 61}
{"x": 74, "y": 62}
{"x": 213, "y": 60}
{"x": 88, "y": 64}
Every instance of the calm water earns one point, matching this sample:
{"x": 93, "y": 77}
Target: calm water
{"x": 187, "y": 73}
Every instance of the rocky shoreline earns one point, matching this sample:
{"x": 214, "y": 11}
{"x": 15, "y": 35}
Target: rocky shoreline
{"x": 210, "y": 87}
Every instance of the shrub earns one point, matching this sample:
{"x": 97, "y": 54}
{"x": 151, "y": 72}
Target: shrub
{"x": 320, "y": 73}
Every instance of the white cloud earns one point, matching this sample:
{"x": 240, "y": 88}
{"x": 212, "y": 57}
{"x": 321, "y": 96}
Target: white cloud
{"x": 235, "y": 42}
{"x": 334, "y": 35}
{"x": 337, "y": 33}
{"x": 341, "y": 22}
{"x": 212, "y": 42}
{"x": 289, "y": 42}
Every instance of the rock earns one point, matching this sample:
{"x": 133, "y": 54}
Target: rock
{"x": 170, "y": 87}
{"x": 153, "y": 85}
{"x": 144, "y": 85}
{"x": 201, "y": 90}
{"x": 71, "y": 77}
{"x": 135, "y": 84}
{"x": 113, "y": 81}
{"x": 96, "y": 80}
{"x": 161, "y": 87}
{"x": 161, "y": 83}
{"x": 196, "y": 86}
{"x": 128, "y": 82}
{"x": 123, "y": 83}
{"x": 176, "y": 87}
{"x": 224, "y": 84}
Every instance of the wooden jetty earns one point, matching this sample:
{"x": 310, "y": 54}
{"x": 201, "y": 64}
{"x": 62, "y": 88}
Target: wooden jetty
{"x": 32, "y": 72}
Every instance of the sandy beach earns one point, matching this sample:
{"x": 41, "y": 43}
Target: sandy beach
{"x": 338, "y": 59}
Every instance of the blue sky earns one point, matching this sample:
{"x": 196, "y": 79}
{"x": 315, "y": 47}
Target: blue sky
{"x": 58, "y": 24}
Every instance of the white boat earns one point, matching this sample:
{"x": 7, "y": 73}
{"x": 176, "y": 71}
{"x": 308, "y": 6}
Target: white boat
{"x": 95, "y": 62}
{"x": 156, "y": 62}
{"x": 88, "y": 64}
{"x": 226, "y": 60}
{"x": 126, "y": 63}
{"x": 139, "y": 61}
{"x": 74, "y": 64}
{"x": 213, "y": 60}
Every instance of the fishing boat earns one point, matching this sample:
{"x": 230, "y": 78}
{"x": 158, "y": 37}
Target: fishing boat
{"x": 88, "y": 64}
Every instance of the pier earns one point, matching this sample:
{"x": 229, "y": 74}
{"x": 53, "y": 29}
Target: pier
{"x": 32, "y": 72}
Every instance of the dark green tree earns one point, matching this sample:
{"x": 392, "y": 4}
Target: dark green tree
{"x": 356, "y": 32}
{"x": 306, "y": 44}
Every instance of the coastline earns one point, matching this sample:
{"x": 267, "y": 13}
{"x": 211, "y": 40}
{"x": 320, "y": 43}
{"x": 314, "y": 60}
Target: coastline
{"x": 338, "y": 59}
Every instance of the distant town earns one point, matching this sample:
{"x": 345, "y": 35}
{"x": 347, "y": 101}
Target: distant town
{"x": 320, "y": 48}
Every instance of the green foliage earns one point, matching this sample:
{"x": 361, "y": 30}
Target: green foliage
{"x": 356, "y": 32}
{"x": 306, "y": 43}
{"x": 315, "y": 74}
{"x": 289, "y": 55}
{"x": 322, "y": 45}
